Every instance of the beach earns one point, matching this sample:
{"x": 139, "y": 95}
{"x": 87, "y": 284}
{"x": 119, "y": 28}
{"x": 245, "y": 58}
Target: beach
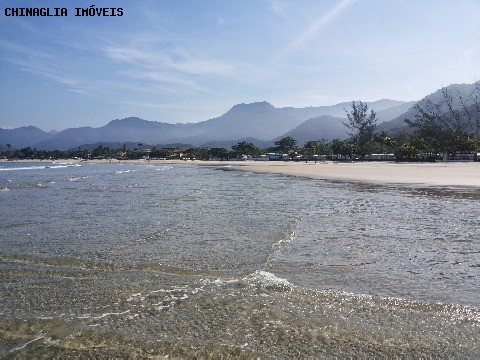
{"x": 422, "y": 174}
{"x": 450, "y": 174}
{"x": 440, "y": 174}
{"x": 443, "y": 174}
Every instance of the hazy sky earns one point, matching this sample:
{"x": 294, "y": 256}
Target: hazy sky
{"x": 192, "y": 60}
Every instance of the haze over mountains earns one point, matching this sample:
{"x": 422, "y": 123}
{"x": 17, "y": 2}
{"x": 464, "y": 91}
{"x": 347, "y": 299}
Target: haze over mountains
{"x": 260, "y": 123}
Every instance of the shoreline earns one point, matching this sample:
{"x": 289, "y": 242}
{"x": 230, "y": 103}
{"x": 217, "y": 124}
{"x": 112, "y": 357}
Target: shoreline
{"x": 445, "y": 174}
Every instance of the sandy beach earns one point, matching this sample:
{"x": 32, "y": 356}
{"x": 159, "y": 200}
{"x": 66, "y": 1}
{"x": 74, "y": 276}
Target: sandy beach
{"x": 422, "y": 174}
{"x": 448, "y": 174}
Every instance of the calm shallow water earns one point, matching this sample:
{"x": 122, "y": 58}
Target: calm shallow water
{"x": 112, "y": 259}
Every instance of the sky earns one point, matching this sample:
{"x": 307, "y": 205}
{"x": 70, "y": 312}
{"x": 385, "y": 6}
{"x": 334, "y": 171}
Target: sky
{"x": 179, "y": 61}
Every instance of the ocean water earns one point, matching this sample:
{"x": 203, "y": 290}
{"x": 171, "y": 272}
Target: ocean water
{"x": 107, "y": 260}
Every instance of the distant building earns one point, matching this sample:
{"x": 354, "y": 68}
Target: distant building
{"x": 276, "y": 156}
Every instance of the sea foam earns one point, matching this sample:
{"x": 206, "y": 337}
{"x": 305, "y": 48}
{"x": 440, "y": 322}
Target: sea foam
{"x": 267, "y": 279}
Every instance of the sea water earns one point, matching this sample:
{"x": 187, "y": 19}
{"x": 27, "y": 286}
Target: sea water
{"x": 146, "y": 260}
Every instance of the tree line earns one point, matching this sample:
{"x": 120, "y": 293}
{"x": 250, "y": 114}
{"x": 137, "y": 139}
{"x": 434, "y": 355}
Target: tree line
{"x": 447, "y": 129}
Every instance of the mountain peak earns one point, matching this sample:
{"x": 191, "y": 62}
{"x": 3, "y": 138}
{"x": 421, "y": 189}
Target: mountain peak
{"x": 255, "y": 106}
{"x": 129, "y": 120}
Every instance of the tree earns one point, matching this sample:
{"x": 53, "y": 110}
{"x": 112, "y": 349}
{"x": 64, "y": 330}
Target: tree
{"x": 220, "y": 153}
{"x": 338, "y": 147}
{"x": 383, "y": 139}
{"x": 361, "y": 126}
{"x": 102, "y": 152}
{"x": 197, "y": 153}
{"x": 244, "y": 148}
{"x": 448, "y": 125}
{"x": 324, "y": 147}
{"x": 310, "y": 147}
{"x": 407, "y": 152}
{"x": 286, "y": 144}
{"x": 316, "y": 147}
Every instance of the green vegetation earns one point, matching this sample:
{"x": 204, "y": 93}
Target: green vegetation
{"x": 449, "y": 126}
{"x": 245, "y": 148}
{"x": 407, "y": 146}
{"x": 362, "y": 127}
{"x": 286, "y": 144}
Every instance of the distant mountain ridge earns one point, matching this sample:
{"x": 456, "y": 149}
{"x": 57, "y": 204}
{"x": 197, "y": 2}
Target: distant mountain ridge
{"x": 23, "y": 136}
{"x": 456, "y": 90}
{"x": 327, "y": 126}
{"x": 338, "y": 110}
{"x": 260, "y": 122}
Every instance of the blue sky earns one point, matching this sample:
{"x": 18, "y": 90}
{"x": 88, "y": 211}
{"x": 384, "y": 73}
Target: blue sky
{"x": 192, "y": 60}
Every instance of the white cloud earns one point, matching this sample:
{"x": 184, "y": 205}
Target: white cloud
{"x": 178, "y": 59}
{"x": 317, "y": 25}
{"x": 128, "y": 54}
{"x": 195, "y": 65}
{"x": 159, "y": 77}
{"x": 36, "y": 62}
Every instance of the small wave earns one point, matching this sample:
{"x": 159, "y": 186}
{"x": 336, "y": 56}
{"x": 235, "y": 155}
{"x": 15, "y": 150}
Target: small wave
{"x": 76, "y": 178}
{"x": 286, "y": 239}
{"x": 88, "y": 316}
{"x": 163, "y": 298}
{"x": 68, "y": 164}
{"x": 63, "y": 165}
{"x": 26, "y": 344}
{"x": 260, "y": 278}
{"x": 218, "y": 282}
{"x": 23, "y": 168}
{"x": 268, "y": 280}
{"x": 164, "y": 168}
{"x": 40, "y": 167}
{"x": 4, "y": 189}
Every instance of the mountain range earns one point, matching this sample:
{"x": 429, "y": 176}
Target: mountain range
{"x": 260, "y": 123}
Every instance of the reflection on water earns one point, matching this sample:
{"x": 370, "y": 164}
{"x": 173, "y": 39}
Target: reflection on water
{"x": 121, "y": 260}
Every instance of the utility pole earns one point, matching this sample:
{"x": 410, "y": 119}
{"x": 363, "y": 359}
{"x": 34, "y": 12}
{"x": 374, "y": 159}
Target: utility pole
{"x": 475, "y": 156}
{"x": 477, "y": 119}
